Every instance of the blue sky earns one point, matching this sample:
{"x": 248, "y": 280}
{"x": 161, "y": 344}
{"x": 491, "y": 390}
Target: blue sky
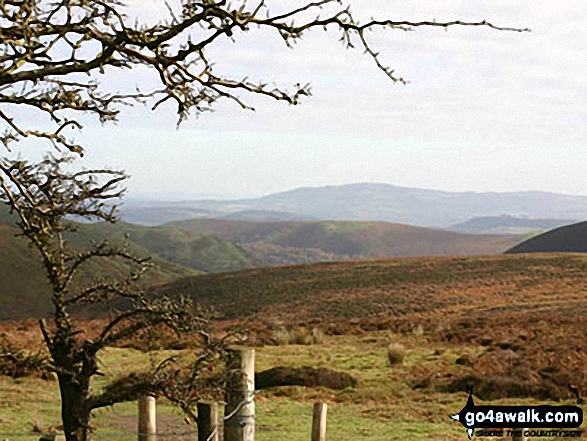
{"x": 484, "y": 110}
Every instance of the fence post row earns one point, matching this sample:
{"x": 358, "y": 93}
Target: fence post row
{"x": 319, "y": 422}
{"x": 239, "y": 424}
{"x": 208, "y": 421}
{"x": 239, "y": 412}
{"x": 147, "y": 419}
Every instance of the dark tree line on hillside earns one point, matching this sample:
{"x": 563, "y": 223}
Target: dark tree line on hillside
{"x": 54, "y": 55}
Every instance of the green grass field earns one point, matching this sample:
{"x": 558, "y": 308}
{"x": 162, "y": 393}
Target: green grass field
{"x": 382, "y": 407}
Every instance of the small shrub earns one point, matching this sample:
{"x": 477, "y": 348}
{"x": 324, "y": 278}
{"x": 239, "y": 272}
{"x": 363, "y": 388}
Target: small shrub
{"x": 418, "y": 330}
{"x": 297, "y": 336}
{"x": 16, "y": 363}
{"x": 318, "y": 336}
{"x": 424, "y": 382}
{"x": 281, "y": 337}
{"x": 396, "y": 353}
{"x": 464, "y": 360}
{"x": 301, "y": 336}
{"x": 496, "y": 387}
{"x": 303, "y": 376}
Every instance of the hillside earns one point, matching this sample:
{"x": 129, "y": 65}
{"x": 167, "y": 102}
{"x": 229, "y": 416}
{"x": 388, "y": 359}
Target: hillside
{"x": 184, "y": 248}
{"x": 525, "y": 314}
{"x": 202, "y": 252}
{"x": 372, "y": 290}
{"x": 370, "y": 202}
{"x": 224, "y": 245}
{"x": 292, "y": 242}
{"x": 189, "y": 249}
{"x": 570, "y": 238}
{"x": 24, "y": 290}
{"x": 175, "y": 254}
{"x": 506, "y": 224}
{"x": 152, "y": 213}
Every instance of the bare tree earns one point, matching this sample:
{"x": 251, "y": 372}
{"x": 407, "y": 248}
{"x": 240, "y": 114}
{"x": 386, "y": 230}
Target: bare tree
{"x": 48, "y": 46}
{"x": 44, "y": 195}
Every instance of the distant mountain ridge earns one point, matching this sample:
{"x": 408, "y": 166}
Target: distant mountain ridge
{"x": 506, "y": 224}
{"x": 372, "y": 202}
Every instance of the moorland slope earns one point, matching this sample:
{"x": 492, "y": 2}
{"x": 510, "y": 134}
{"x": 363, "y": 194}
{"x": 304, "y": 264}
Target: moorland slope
{"x": 527, "y": 314}
{"x": 569, "y": 239}
{"x": 24, "y": 289}
{"x": 184, "y": 249}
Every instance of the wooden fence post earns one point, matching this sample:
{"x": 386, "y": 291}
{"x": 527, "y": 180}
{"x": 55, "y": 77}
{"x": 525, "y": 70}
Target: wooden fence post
{"x": 208, "y": 421}
{"x": 239, "y": 424}
{"x": 147, "y": 418}
{"x": 319, "y": 422}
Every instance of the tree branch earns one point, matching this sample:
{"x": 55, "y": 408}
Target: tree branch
{"x": 32, "y": 75}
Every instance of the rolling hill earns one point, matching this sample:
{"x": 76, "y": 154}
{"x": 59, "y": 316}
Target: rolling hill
{"x": 24, "y": 289}
{"x": 570, "y": 238}
{"x": 292, "y": 242}
{"x": 175, "y": 254}
{"x": 524, "y": 316}
{"x": 182, "y": 249}
{"x": 167, "y": 244}
{"x": 394, "y": 290}
{"x": 202, "y": 252}
{"x": 374, "y": 202}
{"x": 506, "y": 224}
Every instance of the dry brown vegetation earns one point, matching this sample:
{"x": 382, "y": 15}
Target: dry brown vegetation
{"x": 16, "y": 362}
{"x": 527, "y": 315}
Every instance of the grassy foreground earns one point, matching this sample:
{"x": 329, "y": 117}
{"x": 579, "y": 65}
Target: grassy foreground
{"x": 382, "y": 407}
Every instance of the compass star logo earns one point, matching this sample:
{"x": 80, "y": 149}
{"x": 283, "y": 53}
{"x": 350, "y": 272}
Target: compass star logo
{"x": 519, "y": 417}
{"x": 462, "y": 415}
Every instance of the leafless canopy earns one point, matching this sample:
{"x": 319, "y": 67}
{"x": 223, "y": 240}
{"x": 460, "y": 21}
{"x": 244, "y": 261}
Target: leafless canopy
{"x": 44, "y": 196}
{"x": 54, "y": 53}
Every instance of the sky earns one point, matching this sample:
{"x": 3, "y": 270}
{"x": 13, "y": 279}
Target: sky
{"x": 483, "y": 111}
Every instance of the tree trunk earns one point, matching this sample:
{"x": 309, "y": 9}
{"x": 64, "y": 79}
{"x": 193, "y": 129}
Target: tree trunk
{"x": 74, "y": 384}
{"x": 74, "y": 408}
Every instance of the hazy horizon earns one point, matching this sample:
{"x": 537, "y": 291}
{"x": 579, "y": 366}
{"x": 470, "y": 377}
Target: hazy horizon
{"x": 484, "y": 110}
{"x": 179, "y": 197}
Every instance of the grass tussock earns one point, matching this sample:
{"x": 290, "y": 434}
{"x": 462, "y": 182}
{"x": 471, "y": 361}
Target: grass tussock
{"x": 396, "y": 352}
{"x": 297, "y": 336}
